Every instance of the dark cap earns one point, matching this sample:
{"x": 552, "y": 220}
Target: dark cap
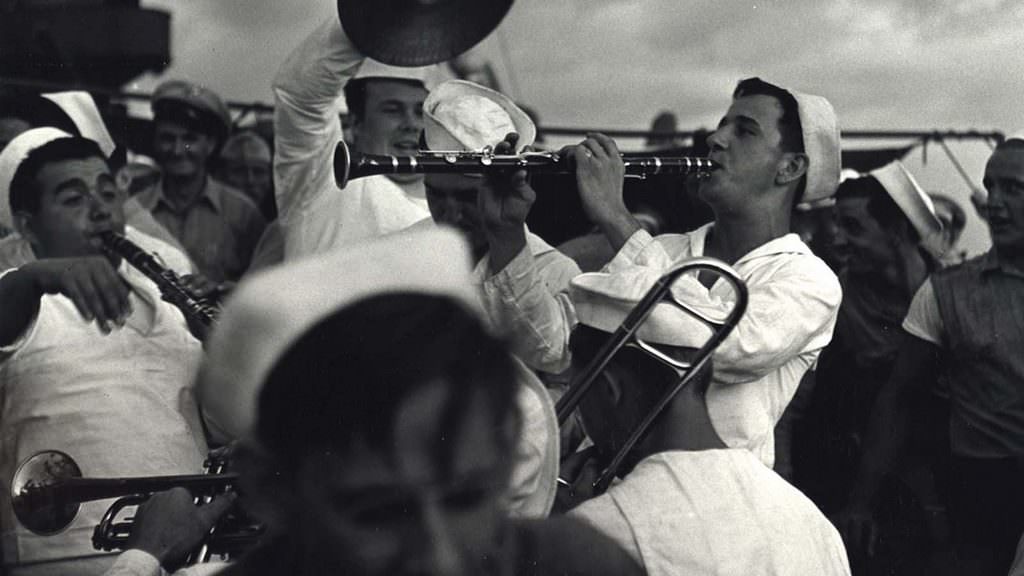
{"x": 192, "y": 105}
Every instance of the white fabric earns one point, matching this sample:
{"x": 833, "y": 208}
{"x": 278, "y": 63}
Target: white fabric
{"x": 11, "y": 158}
{"x": 821, "y": 144}
{"x": 315, "y": 215}
{"x": 794, "y": 299}
{"x": 81, "y": 108}
{"x": 134, "y": 562}
{"x": 717, "y": 512}
{"x": 120, "y": 404}
{"x": 917, "y": 206}
{"x": 461, "y": 115}
{"x": 923, "y": 318}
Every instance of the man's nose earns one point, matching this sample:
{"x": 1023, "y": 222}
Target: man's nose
{"x": 437, "y": 553}
{"x": 99, "y": 209}
{"x": 716, "y": 140}
{"x": 412, "y": 120}
{"x": 179, "y": 146}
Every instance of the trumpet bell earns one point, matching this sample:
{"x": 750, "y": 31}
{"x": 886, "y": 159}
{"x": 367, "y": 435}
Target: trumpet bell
{"x": 419, "y": 32}
{"x": 34, "y": 508}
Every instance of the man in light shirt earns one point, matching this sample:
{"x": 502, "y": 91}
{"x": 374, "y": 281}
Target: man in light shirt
{"x": 773, "y": 148}
{"x": 387, "y": 106}
{"x": 92, "y": 361}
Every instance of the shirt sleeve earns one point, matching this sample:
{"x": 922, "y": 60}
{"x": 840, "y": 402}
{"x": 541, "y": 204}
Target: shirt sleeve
{"x": 135, "y": 563}
{"x": 603, "y": 514}
{"x": 790, "y": 312}
{"x": 923, "y": 318}
{"x": 537, "y": 322}
{"x": 306, "y": 122}
{"x": 9, "y": 350}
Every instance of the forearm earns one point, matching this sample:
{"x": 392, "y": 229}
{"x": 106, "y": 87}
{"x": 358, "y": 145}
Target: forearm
{"x": 19, "y": 297}
{"x": 888, "y": 427}
{"x": 618, "y": 227}
{"x": 885, "y": 441}
{"x": 504, "y": 247}
{"x": 537, "y": 323}
{"x": 306, "y": 123}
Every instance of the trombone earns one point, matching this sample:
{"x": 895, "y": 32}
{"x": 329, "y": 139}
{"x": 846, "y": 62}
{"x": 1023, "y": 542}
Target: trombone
{"x": 48, "y": 490}
{"x": 626, "y": 334}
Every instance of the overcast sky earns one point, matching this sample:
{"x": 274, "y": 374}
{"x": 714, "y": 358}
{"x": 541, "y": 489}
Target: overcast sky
{"x": 884, "y": 64}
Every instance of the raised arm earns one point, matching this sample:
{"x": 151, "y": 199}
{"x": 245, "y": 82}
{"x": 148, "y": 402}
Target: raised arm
{"x": 306, "y": 122}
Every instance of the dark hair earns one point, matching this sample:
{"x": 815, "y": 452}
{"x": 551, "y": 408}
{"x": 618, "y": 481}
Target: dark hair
{"x": 344, "y": 379}
{"x": 355, "y": 94}
{"x": 24, "y": 193}
{"x": 881, "y": 206}
{"x": 36, "y": 111}
{"x": 355, "y": 97}
{"x": 790, "y": 128}
{"x": 1011, "y": 144}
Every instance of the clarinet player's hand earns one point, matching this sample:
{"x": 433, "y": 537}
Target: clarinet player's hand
{"x": 504, "y": 201}
{"x": 90, "y": 282}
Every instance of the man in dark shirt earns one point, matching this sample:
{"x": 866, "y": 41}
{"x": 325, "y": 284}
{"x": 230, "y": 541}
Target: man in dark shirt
{"x": 968, "y": 322}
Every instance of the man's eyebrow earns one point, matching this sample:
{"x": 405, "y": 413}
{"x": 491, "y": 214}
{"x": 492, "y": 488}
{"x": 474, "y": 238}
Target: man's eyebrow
{"x": 69, "y": 184}
{"x": 747, "y": 120}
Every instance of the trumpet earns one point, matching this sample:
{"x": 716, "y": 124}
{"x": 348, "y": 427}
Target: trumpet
{"x": 167, "y": 281}
{"x": 349, "y": 165}
{"x": 626, "y": 334}
{"x": 48, "y": 490}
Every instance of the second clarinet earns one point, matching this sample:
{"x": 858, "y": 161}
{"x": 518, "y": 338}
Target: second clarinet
{"x": 169, "y": 283}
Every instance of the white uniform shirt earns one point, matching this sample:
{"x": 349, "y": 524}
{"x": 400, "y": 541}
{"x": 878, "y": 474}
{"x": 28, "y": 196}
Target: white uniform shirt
{"x": 794, "y": 300}
{"x": 716, "y": 512}
{"x": 119, "y": 404}
{"x": 315, "y": 215}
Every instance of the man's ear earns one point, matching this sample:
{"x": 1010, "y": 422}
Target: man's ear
{"x": 23, "y": 223}
{"x": 792, "y": 167}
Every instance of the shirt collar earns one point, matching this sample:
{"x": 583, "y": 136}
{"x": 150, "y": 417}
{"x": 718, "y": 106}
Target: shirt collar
{"x": 789, "y": 243}
{"x": 153, "y": 196}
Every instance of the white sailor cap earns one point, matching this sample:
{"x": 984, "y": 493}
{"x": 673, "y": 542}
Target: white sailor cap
{"x": 464, "y": 116}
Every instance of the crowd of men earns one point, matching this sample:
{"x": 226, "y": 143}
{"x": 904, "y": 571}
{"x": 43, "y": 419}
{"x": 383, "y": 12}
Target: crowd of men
{"x": 384, "y": 369}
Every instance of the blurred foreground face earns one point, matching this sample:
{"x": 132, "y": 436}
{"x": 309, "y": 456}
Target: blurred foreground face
{"x": 430, "y": 505}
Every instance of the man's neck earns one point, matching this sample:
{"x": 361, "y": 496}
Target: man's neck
{"x": 1010, "y": 261}
{"x": 182, "y": 192}
{"x": 734, "y": 235}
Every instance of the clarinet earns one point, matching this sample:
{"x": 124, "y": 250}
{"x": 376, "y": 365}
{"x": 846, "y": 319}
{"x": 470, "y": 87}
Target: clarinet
{"x": 166, "y": 280}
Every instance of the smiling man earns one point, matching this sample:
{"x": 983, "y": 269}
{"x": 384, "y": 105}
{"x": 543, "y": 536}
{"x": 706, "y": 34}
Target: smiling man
{"x": 387, "y": 107}
{"x": 218, "y": 225}
{"x": 773, "y": 148}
